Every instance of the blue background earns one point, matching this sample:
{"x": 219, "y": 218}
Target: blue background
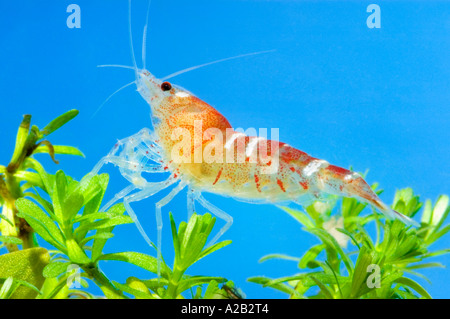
{"x": 375, "y": 99}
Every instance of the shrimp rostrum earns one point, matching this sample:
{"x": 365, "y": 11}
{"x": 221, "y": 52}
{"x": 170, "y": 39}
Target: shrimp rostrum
{"x": 197, "y": 145}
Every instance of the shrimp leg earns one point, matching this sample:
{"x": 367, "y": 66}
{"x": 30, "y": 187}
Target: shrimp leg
{"x": 134, "y": 156}
{"x": 117, "y": 197}
{"x": 190, "y": 202}
{"x": 149, "y": 190}
{"x": 218, "y": 213}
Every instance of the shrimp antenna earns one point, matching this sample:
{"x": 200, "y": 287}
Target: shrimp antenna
{"x": 213, "y": 62}
{"x": 144, "y": 35}
{"x": 115, "y": 66}
{"x": 109, "y": 97}
{"x": 131, "y": 39}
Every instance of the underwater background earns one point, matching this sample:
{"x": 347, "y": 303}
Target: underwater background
{"x": 370, "y": 98}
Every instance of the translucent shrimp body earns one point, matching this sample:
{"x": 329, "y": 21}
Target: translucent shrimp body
{"x": 247, "y": 168}
{"x": 294, "y": 176}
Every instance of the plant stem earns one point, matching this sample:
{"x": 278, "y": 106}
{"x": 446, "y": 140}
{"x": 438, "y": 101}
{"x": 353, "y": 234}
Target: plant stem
{"x": 174, "y": 282}
{"x": 28, "y": 239}
{"x": 103, "y": 282}
{"x": 61, "y": 283}
{"x": 10, "y": 191}
{"x": 8, "y": 211}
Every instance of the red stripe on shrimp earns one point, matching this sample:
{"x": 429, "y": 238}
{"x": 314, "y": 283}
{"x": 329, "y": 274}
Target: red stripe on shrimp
{"x": 257, "y": 183}
{"x": 218, "y": 175}
{"x": 280, "y": 183}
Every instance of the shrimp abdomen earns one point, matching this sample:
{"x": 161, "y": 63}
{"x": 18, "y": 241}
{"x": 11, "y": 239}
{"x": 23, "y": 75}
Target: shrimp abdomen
{"x": 343, "y": 182}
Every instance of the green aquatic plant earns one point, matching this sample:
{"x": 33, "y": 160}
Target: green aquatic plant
{"x": 380, "y": 268}
{"x": 54, "y": 233}
{"x": 24, "y": 173}
{"x": 64, "y": 213}
{"x": 71, "y": 222}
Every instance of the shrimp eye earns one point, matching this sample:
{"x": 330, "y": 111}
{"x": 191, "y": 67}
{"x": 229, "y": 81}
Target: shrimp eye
{"x": 166, "y": 86}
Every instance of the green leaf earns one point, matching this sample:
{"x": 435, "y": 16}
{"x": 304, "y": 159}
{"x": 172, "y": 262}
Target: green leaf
{"x": 76, "y": 253}
{"x": 59, "y": 149}
{"x": 213, "y": 248}
{"x": 72, "y": 205}
{"x": 11, "y": 240}
{"x": 17, "y": 283}
{"x": 360, "y": 274}
{"x": 427, "y": 212}
{"x": 90, "y": 186}
{"x": 212, "y": 292}
{"x": 10, "y": 285}
{"x": 332, "y": 243}
{"x": 21, "y": 138}
{"x": 54, "y": 269}
{"x": 415, "y": 273}
{"x": 175, "y": 239}
{"x": 264, "y": 281}
{"x": 138, "y": 293}
{"x": 93, "y": 217}
{"x": 7, "y": 288}
{"x": 136, "y": 284}
{"x": 139, "y": 259}
{"x": 29, "y": 177}
{"x": 59, "y": 193}
{"x": 157, "y": 285}
{"x": 190, "y": 240}
{"x": 307, "y": 281}
{"x": 440, "y": 211}
{"x": 186, "y": 238}
{"x": 6, "y": 219}
{"x": 99, "y": 243}
{"x": 40, "y": 222}
{"x": 426, "y": 265}
{"x": 365, "y": 238}
{"x": 414, "y": 285}
{"x": 102, "y": 235}
{"x": 48, "y": 207}
{"x": 278, "y": 256}
{"x": 54, "y": 289}
{"x": 46, "y": 178}
{"x": 105, "y": 223}
{"x": 437, "y": 253}
{"x": 351, "y": 207}
{"x": 323, "y": 288}
{"x": 436, "y": 235}
{"x": 307, "y": 261}
{"x": 25, "y": 265}
{"x": 197, "y": 280}
{"x": 99, "y": 183}
{"x": 301, "y": 217}
{"x": 58, "y": 122}
{"x": 406, "y": 203}
{"x": 346, "y": 232}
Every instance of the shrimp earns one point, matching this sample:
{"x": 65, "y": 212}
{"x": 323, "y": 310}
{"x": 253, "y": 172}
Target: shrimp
{"x": 247, "y": 168}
